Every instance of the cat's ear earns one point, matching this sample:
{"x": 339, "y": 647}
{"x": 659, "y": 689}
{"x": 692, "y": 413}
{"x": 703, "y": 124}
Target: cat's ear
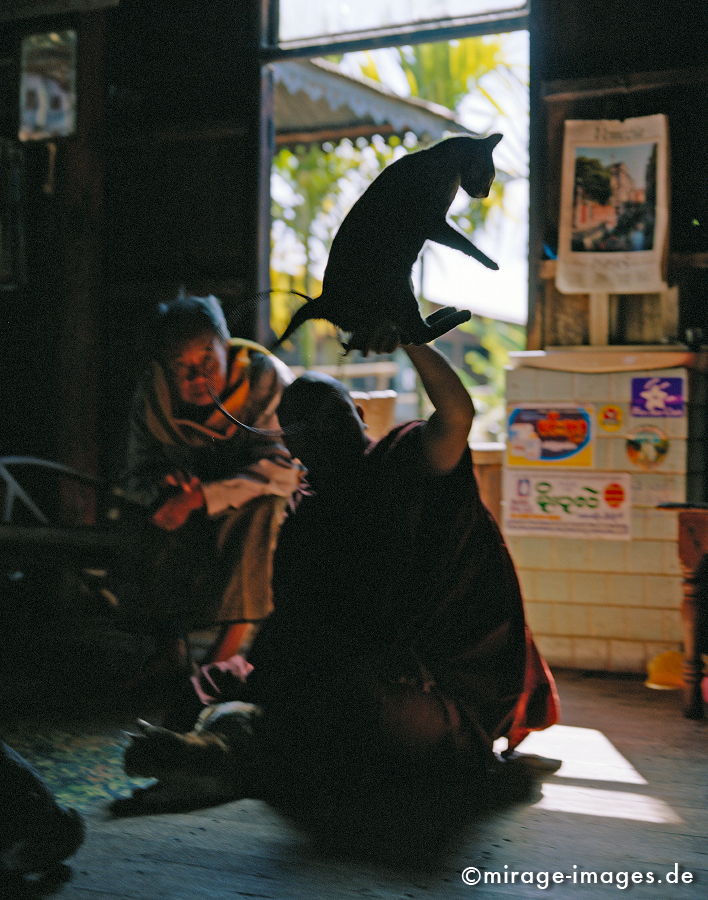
{"x": 493, "y": 140}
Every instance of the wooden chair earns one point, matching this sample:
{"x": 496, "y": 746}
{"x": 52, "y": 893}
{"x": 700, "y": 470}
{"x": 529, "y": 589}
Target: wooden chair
{"x": 33, "y": 539}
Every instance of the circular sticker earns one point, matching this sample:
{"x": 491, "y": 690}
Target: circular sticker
{"x": 610, "y": 417}
{"x": 614, "y": 495}
{"x": 647, "y": 446}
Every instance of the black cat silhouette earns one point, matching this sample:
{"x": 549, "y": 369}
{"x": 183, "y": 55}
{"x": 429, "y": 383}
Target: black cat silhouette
{"x": 367, "y": 281}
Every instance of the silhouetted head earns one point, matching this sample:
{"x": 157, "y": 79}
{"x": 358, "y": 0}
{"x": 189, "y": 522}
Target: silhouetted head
{"x": 323, "y": 427}
{"x": 474, "y": 159}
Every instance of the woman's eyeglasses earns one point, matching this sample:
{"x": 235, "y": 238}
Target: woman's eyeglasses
{"x": 207, "y": 367}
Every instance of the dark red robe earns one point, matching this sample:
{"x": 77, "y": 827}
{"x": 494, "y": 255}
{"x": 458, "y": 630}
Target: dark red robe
{"x": 401, "y": 570}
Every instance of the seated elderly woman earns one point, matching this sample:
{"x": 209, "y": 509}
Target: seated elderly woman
{"x": 216, "y": 492}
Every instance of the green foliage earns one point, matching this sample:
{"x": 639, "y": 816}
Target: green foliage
{"x": 486, "y": 378}
{"x": 594, "y": 179}
{"x": 445, "y": 72}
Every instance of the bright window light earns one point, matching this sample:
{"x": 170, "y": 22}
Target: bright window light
{"x": 301, "y": 19}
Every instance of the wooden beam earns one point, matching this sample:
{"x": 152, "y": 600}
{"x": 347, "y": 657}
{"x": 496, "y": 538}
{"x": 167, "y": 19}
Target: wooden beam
{"x": 331, "y": 134}
{"x": 599, "y": 319}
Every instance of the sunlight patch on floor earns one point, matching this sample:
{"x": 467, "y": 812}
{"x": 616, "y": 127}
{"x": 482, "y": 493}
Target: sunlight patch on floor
{"x": 586, "y": 754}
{"x": 607, "y": 804}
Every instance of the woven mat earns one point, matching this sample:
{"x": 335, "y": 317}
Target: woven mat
{"x": 81, "y": 765}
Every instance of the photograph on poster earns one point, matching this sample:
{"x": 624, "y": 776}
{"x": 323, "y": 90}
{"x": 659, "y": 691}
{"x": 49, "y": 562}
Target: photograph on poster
{"x": 614, "y": 206}
{"x": 48, "y": 86}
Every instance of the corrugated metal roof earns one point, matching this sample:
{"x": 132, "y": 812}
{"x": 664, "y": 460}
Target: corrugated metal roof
{"x": 315, "y": 102}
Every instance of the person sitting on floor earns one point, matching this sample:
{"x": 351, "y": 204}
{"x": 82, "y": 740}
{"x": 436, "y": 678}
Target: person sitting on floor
{"x": 392, "y": 565}
{"x": 216, "y": 492}
{"x": 398, "y": 638}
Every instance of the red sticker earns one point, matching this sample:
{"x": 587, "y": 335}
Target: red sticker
{"x": 614, "y": 495}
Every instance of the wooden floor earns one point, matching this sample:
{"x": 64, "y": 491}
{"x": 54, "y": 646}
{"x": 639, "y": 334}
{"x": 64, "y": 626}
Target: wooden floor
{"x": 630, "y": 797}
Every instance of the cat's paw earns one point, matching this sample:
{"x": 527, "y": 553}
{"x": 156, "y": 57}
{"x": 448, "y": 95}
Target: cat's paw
{"x": 444, "y": 320}
{"x": 383, "y": 337}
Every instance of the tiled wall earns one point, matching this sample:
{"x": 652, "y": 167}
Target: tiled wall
{"x": 599, "y": 604}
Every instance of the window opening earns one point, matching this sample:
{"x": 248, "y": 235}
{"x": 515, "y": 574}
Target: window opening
{"x": 339, "y": 121}
{"x": 301, "y": 23}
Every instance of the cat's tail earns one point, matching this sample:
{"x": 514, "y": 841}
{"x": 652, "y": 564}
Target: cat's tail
{"x": 313, "y": 309}
{"x": 310, "y": 310}
{"x": 246, "y": 305}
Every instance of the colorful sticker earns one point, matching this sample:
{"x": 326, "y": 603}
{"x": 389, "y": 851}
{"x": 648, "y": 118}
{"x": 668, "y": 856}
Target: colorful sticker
{"x": 657, "y": 397}
{"x": 568, "y": 504}
{"x": 559, "y": 435}
{"x": 610, "y": 417}
{"x": 647, "y": 446}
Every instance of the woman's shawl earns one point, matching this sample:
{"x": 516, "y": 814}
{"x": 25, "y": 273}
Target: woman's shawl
{"x": 215, "y": 450}
{"x": 244, "y": 400}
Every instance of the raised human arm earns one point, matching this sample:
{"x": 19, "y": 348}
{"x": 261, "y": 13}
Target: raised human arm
{"x": 447, "y": 430}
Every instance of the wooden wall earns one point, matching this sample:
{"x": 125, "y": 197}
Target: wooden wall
{"x": 187, "y": 162}
{"x": 162, "y": 185}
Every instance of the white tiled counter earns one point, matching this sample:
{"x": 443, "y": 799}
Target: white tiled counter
{"x": 613, "y": 604}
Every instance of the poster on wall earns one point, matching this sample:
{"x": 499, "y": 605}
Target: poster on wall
{"x": 594, "y": 505}
{"x": 613, "y": 227}
{"x": 545, "y": 435}
{"x": 48, "y": 85}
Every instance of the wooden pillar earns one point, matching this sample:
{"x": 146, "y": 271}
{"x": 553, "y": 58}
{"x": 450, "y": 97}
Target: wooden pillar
{"x": 79, "y": 198}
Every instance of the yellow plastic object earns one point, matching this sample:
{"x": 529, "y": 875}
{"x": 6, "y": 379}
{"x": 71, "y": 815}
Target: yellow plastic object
{"x": 665, "y": 671}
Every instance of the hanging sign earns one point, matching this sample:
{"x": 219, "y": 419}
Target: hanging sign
{"x": 48, "y": 85}
{"x": 558, "y": 435}
{"x": 567, "y": 504}
{"x": 657, "y": 397}
{"x": 614, "y": 206}
{"x": 24, "y": 9}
